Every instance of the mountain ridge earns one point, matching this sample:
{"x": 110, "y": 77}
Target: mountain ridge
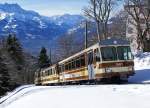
{"x": 33, "y": 29}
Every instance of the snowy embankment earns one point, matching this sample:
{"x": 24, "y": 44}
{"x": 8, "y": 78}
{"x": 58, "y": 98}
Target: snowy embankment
{"x": 94, "y": 96}
{"x": 142, "y": 69}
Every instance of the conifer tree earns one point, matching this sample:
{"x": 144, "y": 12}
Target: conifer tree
{"x": 15, "y": 49}
{"x": 4, "y": 78}
{"x": 43, "y": 59}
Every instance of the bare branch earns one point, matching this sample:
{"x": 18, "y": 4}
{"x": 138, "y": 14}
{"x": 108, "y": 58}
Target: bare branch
{"x": 99, "y": 10}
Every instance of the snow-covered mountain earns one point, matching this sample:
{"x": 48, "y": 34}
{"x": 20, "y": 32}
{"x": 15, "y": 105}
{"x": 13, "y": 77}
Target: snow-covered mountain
{"x": 67, "y": 19}
{"x": 33, "y": 29}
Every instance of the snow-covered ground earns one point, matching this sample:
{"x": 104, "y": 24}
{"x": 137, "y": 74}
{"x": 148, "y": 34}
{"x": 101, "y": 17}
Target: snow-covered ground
{"x": 142, "y": 61}
{"x": 142, "y": 68}
{"x": 94, "y": 96}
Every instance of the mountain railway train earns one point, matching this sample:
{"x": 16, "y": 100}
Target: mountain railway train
{"x": 107, "y": 61}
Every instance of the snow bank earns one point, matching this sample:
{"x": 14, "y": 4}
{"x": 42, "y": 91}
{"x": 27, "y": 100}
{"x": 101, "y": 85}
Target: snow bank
{"x": 96, "y": 96}
{"x": 142, "y": 61}
{"x": 10, "y": 94}
{"x": 19, "y": 92}
{"x": 142, "y": 69}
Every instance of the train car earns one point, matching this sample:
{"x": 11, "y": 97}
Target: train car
{"x": 47, "y": 76}
{"x": 37, "y": 77}
{"x": 108, "y": 60}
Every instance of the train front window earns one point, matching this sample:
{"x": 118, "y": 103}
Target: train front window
{"x": 109, "y": 53}
{"x": 124, "y": 53}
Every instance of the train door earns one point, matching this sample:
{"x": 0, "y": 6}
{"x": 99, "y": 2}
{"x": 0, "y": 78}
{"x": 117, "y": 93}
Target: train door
{"x": 90, "y": 66}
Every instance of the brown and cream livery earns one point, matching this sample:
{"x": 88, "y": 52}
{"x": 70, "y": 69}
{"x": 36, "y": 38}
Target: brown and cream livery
{"x": 108, "y": 60}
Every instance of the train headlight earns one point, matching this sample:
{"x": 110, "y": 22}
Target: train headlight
{"x": 108, "y": 70}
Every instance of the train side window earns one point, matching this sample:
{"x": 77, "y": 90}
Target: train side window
{"x": 66, "y": 66}
{"x": 55, "y": 70}
{"x": 69, "y": 65}
{"x": 38, "y": 74}
{"x": 60, "y": 69}
{"x": 63, "y": 68}
{"x": 51, "y": 72}
{"x": 73, "y": 64}
{"x": 45, "y": 73}
{"x": 82, "y": 60}
{"x": 77, "y": 63}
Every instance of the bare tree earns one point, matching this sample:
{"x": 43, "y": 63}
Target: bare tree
{"x": 99, "y": 11}
{"x": 117, "y": 27}
{"x": 65, "y": 47}
{"x": 139, "y": 13}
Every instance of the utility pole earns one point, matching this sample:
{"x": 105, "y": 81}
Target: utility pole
{"x": 86, "y": 33}
{"x": 85, "y": 40}
{"x": 50, "y": 57}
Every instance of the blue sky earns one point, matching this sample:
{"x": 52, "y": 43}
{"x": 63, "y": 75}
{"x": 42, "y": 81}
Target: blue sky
{"x": 51, "y": 7}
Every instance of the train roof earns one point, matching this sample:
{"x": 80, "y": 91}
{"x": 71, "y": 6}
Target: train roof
{"x": 107, "y": 42}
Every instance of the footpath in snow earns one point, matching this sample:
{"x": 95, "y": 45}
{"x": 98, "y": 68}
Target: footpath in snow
{"x": 94, "y": 96}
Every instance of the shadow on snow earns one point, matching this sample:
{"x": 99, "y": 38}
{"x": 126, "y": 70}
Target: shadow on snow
{"x": 141, "y": 76}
